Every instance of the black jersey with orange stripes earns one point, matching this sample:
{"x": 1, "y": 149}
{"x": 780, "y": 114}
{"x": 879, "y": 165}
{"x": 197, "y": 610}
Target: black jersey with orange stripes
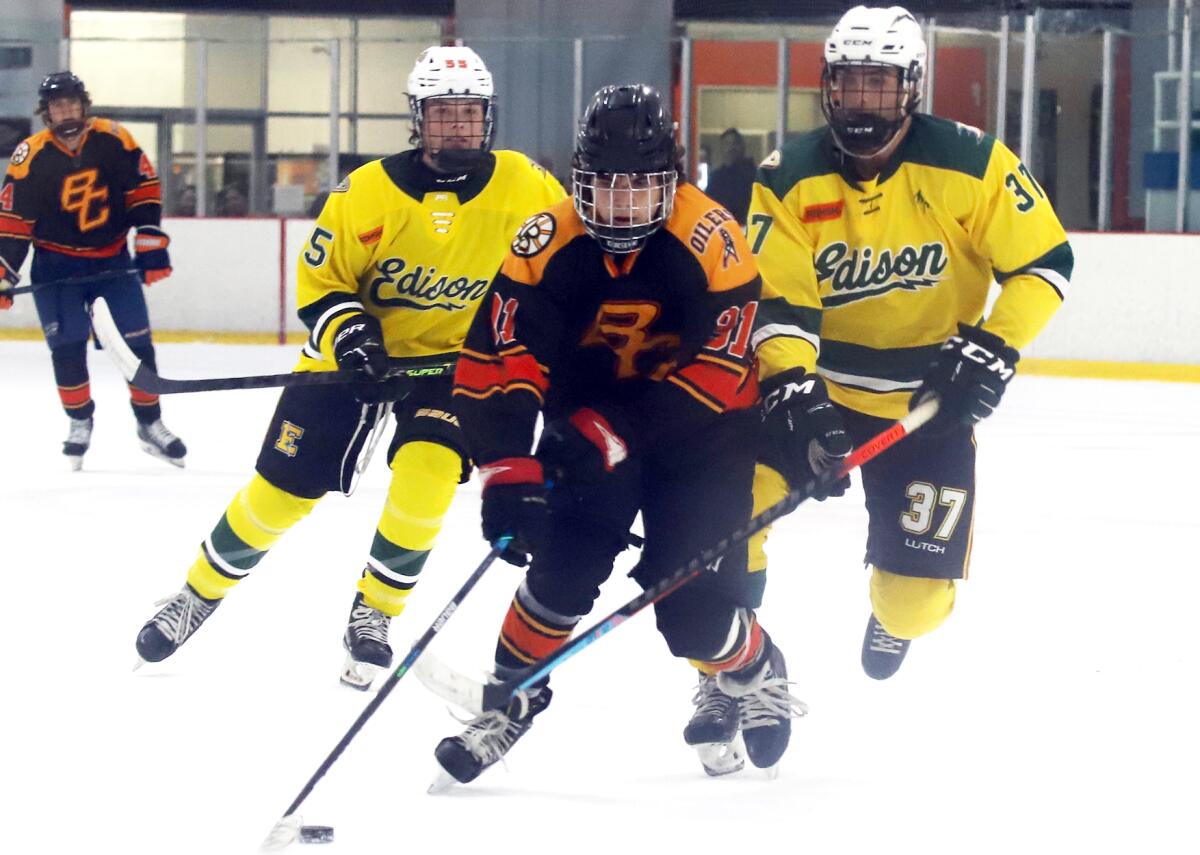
{"x": 661, "y": 337}
{"x": 78, "y": 203}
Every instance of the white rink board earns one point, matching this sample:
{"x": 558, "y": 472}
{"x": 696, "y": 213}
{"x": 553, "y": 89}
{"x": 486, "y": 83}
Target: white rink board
{"x": 1132, "y": 297}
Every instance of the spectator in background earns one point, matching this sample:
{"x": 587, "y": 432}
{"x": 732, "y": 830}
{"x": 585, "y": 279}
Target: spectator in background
{"x": 185, "y": 202}
{"x": 731, "y": 181}
{"x": 232, "y": 201}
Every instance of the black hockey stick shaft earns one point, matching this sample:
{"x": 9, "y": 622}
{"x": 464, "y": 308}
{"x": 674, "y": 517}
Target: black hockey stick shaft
{"x": 149, "y": 381}
{"x": 417, "y": 649}
{"x": 498, "y": 695}
{"x": 142, "y": 376}
{"x": 73, "y": 280}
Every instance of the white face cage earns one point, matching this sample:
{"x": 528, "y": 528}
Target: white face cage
{"x": 622, "y": 209}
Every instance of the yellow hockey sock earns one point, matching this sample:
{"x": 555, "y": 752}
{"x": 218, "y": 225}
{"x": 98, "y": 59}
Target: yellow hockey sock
{"x": 769, "y": 488}
{"x": 909, "y": 607}
{"x": 257, "y": 517}
{"x": 424, "y": 478}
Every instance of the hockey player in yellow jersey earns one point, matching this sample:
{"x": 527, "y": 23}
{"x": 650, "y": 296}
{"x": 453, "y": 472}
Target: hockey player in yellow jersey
{"x": 878, "y": 238}
{"x": 395, "y": 266}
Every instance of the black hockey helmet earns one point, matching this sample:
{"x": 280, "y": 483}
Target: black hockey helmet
{"x": 626, "y": 159}
{"x": 62, "y": 84}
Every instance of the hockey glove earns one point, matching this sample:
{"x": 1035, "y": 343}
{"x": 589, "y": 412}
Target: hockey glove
{"x": 969, "y": 374}
{"x": 802, "y": 432}
{"x": 358, "y": 348}
{"x": 8, "y": 279}
{"x": 150, "y": 248}
{"x": 516, "y": 503}
{"x": 584, "y": 446}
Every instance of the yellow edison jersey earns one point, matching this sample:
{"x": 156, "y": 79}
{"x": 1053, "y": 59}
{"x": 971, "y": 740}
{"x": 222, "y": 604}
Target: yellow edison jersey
{"x": 415, "y": 249}
{"x": 864, "y": 280}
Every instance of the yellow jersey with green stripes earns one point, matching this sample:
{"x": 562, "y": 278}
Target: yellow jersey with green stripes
{"x": 864, "y": 280}
{"x": 415, "y": 248}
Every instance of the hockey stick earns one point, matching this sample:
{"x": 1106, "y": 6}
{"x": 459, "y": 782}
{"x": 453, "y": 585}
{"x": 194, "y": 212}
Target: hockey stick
{"x": 287, "y": 829}
{"x": 74, "y": 280}
{"x": 476, "y": 697}
{"x": 143, "y": 377}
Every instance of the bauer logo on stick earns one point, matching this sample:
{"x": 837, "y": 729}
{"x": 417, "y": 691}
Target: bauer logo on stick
{"x": 534, "y": 236}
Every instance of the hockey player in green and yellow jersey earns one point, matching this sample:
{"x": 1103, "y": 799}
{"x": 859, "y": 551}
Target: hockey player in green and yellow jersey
{"x": 396, "y": 265}
{"x": 878, "y": 238}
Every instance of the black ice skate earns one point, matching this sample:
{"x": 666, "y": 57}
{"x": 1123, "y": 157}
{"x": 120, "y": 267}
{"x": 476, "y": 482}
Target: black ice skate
{"x": 487, "y": 739}
{"x": 179, "y": 617}
{"x": 366, "y": 643}
{"x": 765, "y": 707}
{"x": 159, "y": 442}
{"x": 713, "y": 729}
{"x": 882, "y": 652}
{"x": 79, "y": 439}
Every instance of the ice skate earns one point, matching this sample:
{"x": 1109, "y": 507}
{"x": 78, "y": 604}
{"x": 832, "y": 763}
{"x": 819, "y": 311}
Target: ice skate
{"x": 713, "y": 729}
{"x": 79, "y": 439}
{"x": 366, "y": 643}
{"x": 765, "y": 707}
{"x": 487, "y": 739}
{"x": 179, "y": 617}
{"x": 157, "y": 441}
{"x": 882, "y": 652}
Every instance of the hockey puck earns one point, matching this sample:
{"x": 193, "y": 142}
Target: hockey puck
{"x": 316, "y": 834}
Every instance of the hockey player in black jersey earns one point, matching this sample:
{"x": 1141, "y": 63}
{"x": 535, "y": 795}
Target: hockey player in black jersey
{"x": 74, "y": 190}
{"x": 623, "y": 317}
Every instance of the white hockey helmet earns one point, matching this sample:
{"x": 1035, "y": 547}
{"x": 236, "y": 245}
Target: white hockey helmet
{"x": 876, "y": 37}
{"x": 451, "y": 72}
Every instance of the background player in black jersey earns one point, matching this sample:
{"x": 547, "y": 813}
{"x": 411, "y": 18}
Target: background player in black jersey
{"x": 75, "y": 190}
{"x": 624, "y": 317}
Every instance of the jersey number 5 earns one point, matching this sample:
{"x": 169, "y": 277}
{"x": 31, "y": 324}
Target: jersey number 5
{"x": 314, "y": 256}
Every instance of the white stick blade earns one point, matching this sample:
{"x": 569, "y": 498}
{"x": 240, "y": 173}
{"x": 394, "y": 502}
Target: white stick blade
{"x": 448, "y": 684}
{"x": 284, "y": 834}
{"x": 112, "y": 340}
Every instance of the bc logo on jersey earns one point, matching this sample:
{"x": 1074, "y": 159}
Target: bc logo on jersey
{"x": 534, "y": 236}
{"x": 864, "y": 274}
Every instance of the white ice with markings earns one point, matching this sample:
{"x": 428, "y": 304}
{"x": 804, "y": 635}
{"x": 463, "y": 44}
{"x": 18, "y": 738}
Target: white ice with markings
{"x": 1054, "y": 712}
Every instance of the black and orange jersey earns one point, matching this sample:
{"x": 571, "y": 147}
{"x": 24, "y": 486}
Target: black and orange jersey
{"x": 79, "y": 203}
{"x": 661, "y": 336}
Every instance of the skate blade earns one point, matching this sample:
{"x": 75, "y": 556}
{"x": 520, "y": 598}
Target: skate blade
{"x": 772, "y": 772}
{"x": 444, "y": 781}
{"x": 154, "y": 452}
{"x": 76, "y": 462}
{"x": 722, "y": 758}
{"x": 284, "y": 834}
{"x": 359, "y": 675}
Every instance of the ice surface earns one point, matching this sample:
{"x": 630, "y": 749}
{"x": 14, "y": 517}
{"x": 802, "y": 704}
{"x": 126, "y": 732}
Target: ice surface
{"x": 1054, "y": 712}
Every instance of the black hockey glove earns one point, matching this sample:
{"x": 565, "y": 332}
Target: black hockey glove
{"x": 969, "y": 374}
{"x": 150, "y": 253}
{"x": 584, "y": 446}
{"x": 8, "y": 279}
{"x": 358, "y": 348}
{"x": 516, "y": 503}
{"x": 802, "y": 432}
